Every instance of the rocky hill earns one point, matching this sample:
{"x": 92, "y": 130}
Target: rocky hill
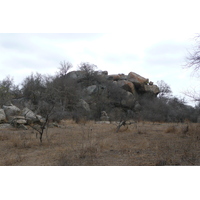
{"x": 79, "y": 94}
{"x": 87, "y": 94}
{"x": 117, "y": 94}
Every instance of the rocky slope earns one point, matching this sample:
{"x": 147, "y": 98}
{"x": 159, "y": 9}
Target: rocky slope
{"x": 116, "y": 95}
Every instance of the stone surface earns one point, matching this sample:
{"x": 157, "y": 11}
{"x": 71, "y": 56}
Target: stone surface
{"x": 152, "y": 88}
{"x": 72, "y": 75}
{"x": 91, "y": 89}
{"x": 128, "y": 101}
{"x": 5, "y": 126}
{"x": 136, "y": 79}
{"x": 30, "y": 116}
{"x": 137, "y": 106}
{"x": 76, "y": 74}
{"x": 117, "y": 77}
{"x": 11, "y": 111}
{"x": 2, "y": 116}
{"x": 127, "y": 85}
{"x": 84, "y": 105}
{"x": 18, "y": 120}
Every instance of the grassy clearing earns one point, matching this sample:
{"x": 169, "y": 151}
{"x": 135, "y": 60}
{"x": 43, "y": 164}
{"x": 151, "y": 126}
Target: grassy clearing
{"x": 90, "y": 144}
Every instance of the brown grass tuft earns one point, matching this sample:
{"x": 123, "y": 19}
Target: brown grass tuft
{"x": 3, "y": 137}
{"x": 170, "y": 129}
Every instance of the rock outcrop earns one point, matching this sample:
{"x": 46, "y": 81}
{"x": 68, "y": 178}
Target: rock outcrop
{"x": 122, "y": 95}
{"x": 127, "y": 85}
{"x": 137, "y": 80}
{"x": 152, "y": 88}
{"x": 30, "y": 116}
{"x": 134, "y": 83}
{"x": 117, "y": 77}
{"x": 83, "y": 105}
{"x": 2, "y": 116}
{"x": 17, "y": 118}
{"x": 11, "y": 111}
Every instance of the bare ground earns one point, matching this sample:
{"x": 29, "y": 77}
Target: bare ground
{"x": 90, "y": 144}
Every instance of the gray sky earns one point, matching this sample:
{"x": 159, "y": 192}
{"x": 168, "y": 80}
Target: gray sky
{"x": 151, "y": 38}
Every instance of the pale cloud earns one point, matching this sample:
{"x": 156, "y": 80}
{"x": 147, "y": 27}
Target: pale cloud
{"x": 116, "y": 53}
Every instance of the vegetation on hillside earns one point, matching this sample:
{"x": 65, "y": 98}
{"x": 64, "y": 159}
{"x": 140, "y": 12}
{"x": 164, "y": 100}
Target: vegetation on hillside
{"x": 63, "y": 92}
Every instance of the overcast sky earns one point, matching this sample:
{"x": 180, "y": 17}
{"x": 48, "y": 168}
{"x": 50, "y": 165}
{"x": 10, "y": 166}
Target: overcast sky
{"x": 151, "y": 38}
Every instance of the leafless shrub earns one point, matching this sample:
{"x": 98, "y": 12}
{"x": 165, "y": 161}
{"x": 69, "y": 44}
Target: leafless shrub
{"x": 125, "y": 124}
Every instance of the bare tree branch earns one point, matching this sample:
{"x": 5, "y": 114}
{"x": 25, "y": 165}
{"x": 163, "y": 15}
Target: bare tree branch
{"x": 43, "y": 125}
{"x": 193, "y": 58}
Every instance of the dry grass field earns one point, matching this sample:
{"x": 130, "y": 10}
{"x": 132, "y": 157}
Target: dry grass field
{"x": 92, "y": 144}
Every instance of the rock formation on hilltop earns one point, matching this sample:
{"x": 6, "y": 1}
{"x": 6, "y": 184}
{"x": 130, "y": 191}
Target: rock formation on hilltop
{"x": 117, "y": 94}
{"x": 80, "y": 93}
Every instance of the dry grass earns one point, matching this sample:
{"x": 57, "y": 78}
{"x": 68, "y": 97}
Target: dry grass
{"x": 89, "y": 144}
{"x": 171, "y": 129}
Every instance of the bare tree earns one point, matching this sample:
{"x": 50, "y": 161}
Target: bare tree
{"x": 44, "y": 124}
{"x": 33, "y": 87}
{"x": 87, "y": 67}
{"x": 193, "y": 94}
{"x": 8, "y": 90}
{"x": 165, "y": 90}
{"x": 193, "y": 59}
{"x": 89, "y": 73}
{"x": 193, "y": 62}
{"x": 64, "y": 68}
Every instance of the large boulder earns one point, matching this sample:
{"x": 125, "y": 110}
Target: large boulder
{"x": 83, "y": 105}
{"x": 30, "y": 116}
{"x": 76, "y": 74}
{"x": 11, "y": 111}
{"x": 2, "y": 116}
{"x": 127, "y": 85}
{"x": 17, "y": 120}
{"x": 117, "y": 77}
{"x": 129, "y": 100}
{"x": 5, "y": 126}
{"x": 152, "y": 88}
{"x": 91, "y": 89}
{"x": 137, "y": 80}
{"x": 72, "y": 75}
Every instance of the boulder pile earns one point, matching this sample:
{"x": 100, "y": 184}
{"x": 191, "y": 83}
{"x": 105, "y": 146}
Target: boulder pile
{"x": 101, "y": 96}
{"x": 134, "y": 83}
{"x": 13, "y": 115}
{"x": 125, "y": 94}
